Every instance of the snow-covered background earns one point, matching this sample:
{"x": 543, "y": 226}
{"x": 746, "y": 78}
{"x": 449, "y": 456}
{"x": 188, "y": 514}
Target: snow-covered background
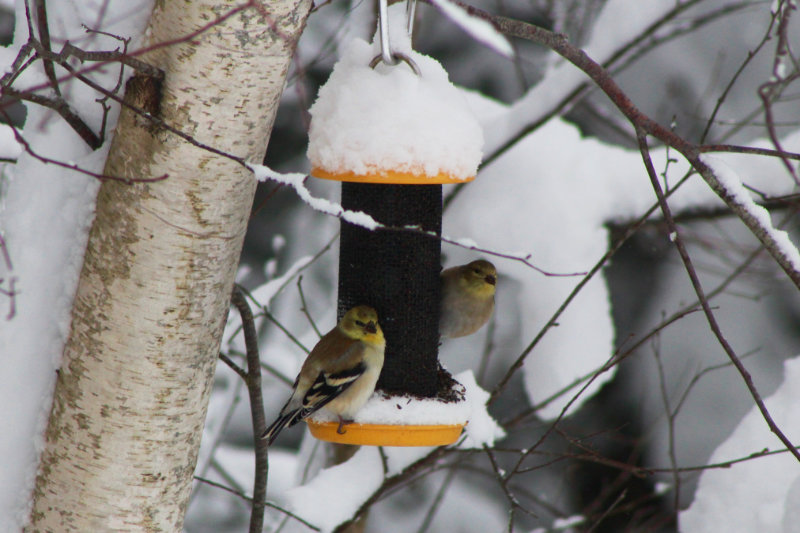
{"x": 558, "y": 196}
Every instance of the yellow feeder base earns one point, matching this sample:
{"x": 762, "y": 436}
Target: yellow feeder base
{"x": 393, "y": 177}
{"x": 386, "y": 435}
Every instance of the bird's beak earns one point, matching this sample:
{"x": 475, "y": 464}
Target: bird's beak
{"x": 491, "y": 280}
{"x": 371, "y": 327}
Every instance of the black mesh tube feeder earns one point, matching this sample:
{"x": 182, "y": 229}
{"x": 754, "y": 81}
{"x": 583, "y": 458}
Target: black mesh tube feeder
{"x": 393, "y": 268}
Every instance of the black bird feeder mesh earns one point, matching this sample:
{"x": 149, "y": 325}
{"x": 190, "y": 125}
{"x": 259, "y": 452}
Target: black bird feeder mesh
{"x": 397, "y": 273}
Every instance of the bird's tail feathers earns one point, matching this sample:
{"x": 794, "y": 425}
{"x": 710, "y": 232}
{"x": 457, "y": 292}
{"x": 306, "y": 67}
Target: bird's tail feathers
{"x": 287, "y": 419}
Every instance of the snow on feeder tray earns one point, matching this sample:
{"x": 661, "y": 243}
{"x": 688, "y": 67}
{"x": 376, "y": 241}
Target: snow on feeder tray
{"x": 392, "y": 128}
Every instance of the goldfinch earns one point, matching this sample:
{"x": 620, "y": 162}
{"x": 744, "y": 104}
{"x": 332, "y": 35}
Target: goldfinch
{"x": 467, "y": 298}
{"x": 339, "y": 374}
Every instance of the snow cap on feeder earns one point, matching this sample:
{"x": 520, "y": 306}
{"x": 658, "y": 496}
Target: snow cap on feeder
{"x": 389, "y": 124}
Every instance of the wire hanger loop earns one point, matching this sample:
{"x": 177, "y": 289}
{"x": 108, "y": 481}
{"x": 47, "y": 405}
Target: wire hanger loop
{"x": 387, "y": 55}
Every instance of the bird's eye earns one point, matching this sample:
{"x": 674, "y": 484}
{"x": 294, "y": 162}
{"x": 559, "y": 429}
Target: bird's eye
{"x": 476, "y": 270}
{"x": 359, "y": 323}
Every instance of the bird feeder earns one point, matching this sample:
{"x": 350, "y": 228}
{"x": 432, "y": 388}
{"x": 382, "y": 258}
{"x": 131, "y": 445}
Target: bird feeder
{"x": 390, "y": 126}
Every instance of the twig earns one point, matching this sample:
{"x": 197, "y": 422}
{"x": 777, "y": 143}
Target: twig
{"x": 5, "y": 254}
{"x": 21, "y": 62}
{"x": 384, "y": 460}
{"x": 249, "y": 499}
{"x": 437, "y": 501}
{"x": 288, "y": 279}
{"x": 644, "y": 124}
{"x": 44, "y": 37}
{"x": 120, "y": 77}
{"x": 524, "y": 259}
{"x": 712, "y": 321}
{"x": 253, "y": 380}
{"x": 106, "y": 56}
{"x": 49, "y": 58}
{"x": 269, "y": 368}
{"x": 722, "y": 464}
{"x": 554, "y": 318}
{"x": 684, "y": 26}
{"x": 711, "y": 213}
{"x": 295, "y": 180}
{"x": 233, "y": 366}
{"x": 103, "y": 58}
{"x": 11, "y": 293}
{"x": 305, "y": 306}
{"x": 645, "y": 39}
{"x": 502, "y": 480}
{"x": 12, "y": 297}
{"x": 226, "y": 476}
{"x": 699, "y": 375}
{"x": 673, "y": 459}
{"x": 611, "y": 507}
{"x": 770, "y": 90}
{"x": 60, "y": 106}
{"x": 736, "y": 149}
{"x": 265, "y": 366}
{"x": 130, "y": 58}
{"x": 614, "y": 360}
{"x": 266, "y": 199}
{"x": 582, "y": 89}
{"x": 72, "y": 166}
{"x": 488, "y": 349}
{"x": 729, "y": 87}
{"x": 390, "y": 483}
{"x": 692, "y": 308}
{"x": 587, "y": 456}
{"x": 283, "y": 328}
{"x": 553, "y": 426}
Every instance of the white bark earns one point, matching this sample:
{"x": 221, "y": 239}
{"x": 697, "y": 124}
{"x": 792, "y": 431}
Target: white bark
{"x": 132, "y": 393}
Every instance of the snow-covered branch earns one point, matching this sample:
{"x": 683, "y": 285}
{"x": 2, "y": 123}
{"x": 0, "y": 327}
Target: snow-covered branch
{"x": 776, "y": 244}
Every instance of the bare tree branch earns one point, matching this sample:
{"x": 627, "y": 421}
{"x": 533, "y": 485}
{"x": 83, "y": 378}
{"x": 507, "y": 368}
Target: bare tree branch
{"x": 633, "y": 228}
{"x": 44, "y": 37}
{"x": 712, "y": 321}
{"x": 253, "y": 381}
{"x": 643, "y": 123}
{"x": 60, "y": 106}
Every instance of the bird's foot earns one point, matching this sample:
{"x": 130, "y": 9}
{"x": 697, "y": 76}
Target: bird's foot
{"x": 342, "y": 422}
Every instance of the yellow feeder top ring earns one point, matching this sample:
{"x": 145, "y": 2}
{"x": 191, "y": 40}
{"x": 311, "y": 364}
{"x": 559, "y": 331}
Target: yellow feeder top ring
{"x": 386, "y": 435}
{"x": 393, "y": 177}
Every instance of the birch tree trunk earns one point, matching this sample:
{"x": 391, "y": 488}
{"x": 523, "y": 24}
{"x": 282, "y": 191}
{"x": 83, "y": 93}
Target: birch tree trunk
{"x": 133, "y": 389}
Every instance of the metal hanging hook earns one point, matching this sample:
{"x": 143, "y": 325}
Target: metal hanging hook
{"x": 411, "y": 7}
{"x": 383, "y": 22}
{"x": 387, "y": 55}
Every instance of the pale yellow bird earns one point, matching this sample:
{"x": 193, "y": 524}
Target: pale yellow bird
{"x": 467, "y": 298}
{"x": 339, "y": 374}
